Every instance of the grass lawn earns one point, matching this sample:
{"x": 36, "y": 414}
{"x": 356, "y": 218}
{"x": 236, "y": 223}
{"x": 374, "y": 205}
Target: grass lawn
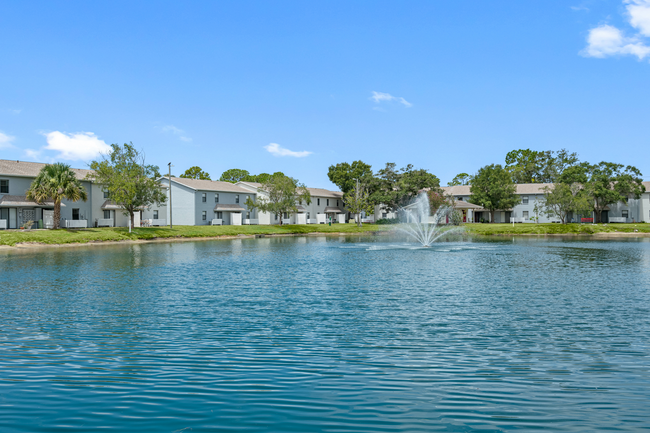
{"x": 64, "y": 236}
{"x": 559, "y": 229}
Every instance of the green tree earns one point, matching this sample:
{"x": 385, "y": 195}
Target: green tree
{"x": 234, "y": 175}
{"x": 343, "y": 175}
{"x": 395, "y": 188}
{"x": 56, "y": 182}
{"x": 131, "y": 184}
{"x": 460, "y": 179}
{"x": 438, "y": 199}
{"x": 613, "y": 183}
{"x": 562, "y": 199}
{"x": 282, "y": 195}
{"x": 493, "y": 188}
{"x": 195, "y": 173}
{"x": 357, "y": 201}
{"x": 531, "y": 166}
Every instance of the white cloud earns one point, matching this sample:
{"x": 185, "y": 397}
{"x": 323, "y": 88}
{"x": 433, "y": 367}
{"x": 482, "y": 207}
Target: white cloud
{"x": 276, "y": 150}
{"x": 379, "y": 97}
{"x": 76, "y": 146}
{"x": 176, "y": 131}
{"x": 32, "y": 154}
{"x": 639, "y": 15}
{"x": 5, "y": 140}
{"x": 606, "y": 40}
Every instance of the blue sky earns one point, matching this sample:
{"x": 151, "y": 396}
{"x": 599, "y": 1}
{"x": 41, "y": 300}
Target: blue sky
{"x": 298, "y": 86}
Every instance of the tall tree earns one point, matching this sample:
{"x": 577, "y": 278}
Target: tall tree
{"x": 343, "y": 175}
{"x": 531, "y": 166}
{"x": 493, "y": 188}
{"x": 195, "y": 173}
{"x": 130, "y": 182}
{"x": 395, "y": 188}
{"x": 460, "y": 179}
{"x": 357, "y": 201}
{"x": 438, "y": 199}
{"x": 613, "y": 183}
{"x": 234, "y": 175}
{"x": 283, "y": 195}
{"x": 561, "y": 199}
{"x": 56, "y": 182}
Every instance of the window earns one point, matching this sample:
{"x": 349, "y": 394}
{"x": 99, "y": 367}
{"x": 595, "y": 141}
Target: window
{"x": 105, "y": 194}
{"x": 624, "y": 213}
{"x": 460, "y": 199}
{"x": 285, "y": 216}
{"x": 524, "y": 199}
{"x": 248, "y": 215}
{"x": 328, "y": 202}
{"x": 204, "y": 215}
{"x": 204, "y": 197}
{"x": 318, "y": 201}
{"x": 155, "y": 214}
{"x": 276, "y": 217}
{"x": 4, "y": 187}
{"x": 218, "y": 215}
{"x": 308, "y": 215}
{"x": 384, "y": 215}
{"x": 525, "y": 214}
{"x": 75, "y": 214}
{"x": 337, "y": 203}
{"x": 216, "y": 198}
{"x": 237, "y": 198}
{"x": 107, "y": 214}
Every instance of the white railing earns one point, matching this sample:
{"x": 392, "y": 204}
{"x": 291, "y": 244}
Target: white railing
{"x": 3, "y": 224}
{"x": 158, "y": 222}
{"x": 312, "y": 221}
{"x": 76, "y": 224}
{"x": 286, "y": 221}
{"x": 617, "y": 219}
{"x": 216, "y": 222}
{"x": 252, "y": 222}
{"x": 368, "y": 220}
{"x": 104, "y": 223}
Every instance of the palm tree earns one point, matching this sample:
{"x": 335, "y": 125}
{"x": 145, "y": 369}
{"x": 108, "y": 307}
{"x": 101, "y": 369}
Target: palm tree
{"x": 56, "y": 182}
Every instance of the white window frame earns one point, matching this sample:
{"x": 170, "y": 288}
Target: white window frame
{"x": 204, "y": 215}
{"x": 204, "y": 197}
{"x": 216, "y": 199}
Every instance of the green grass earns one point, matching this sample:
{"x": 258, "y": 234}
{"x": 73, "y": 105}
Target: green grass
{"x": 555, "y": 229}
{"x": 64, "y": 236}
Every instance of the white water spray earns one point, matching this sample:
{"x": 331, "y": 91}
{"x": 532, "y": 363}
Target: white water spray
{"x": 423, "y": 226}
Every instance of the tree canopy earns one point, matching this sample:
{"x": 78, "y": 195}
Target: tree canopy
{"x": 562, "y": 199}
{"x": 396, "y": 188}
{"x": 357, "y": 200}
{"x": 493, "y": 188}
{"x": 56, "y": 182}
{"x": 130, "y": 182}
{"x": 613, "y": 183}
{"x": 282, "y": 195}
{"x": 460, "y": 179}
{"x": 234, "y": 175}
{"x": 531, "y": 166}
{"x": 195, "y": 173}
{"x": 343, "y": 175}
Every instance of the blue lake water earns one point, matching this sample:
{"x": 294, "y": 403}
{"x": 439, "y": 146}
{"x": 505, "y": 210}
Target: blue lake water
{"x": 327, "y": 335}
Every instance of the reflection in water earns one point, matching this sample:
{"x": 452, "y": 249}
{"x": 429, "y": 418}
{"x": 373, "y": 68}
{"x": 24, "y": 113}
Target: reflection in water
{"x": 327, "y": 334}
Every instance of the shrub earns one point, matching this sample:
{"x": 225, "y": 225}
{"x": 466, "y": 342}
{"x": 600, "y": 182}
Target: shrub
{"x": 388, "y": 221}
{"x": 455, "y": 217}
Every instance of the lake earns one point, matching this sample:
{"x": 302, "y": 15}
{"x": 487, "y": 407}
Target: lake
{"x": 327, "y": 334}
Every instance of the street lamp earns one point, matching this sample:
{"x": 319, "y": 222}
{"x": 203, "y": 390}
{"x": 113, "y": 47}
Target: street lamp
{"x": 171, "y": 226}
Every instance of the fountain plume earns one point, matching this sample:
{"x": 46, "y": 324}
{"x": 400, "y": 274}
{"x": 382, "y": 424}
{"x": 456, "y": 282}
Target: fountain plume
{"x": 421, "y": 225}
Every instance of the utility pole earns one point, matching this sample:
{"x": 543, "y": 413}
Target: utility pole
{"x": 170, "y": 195}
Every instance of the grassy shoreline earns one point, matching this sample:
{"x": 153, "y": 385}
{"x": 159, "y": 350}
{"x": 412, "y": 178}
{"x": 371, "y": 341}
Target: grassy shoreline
{"x": 94, "y": 235}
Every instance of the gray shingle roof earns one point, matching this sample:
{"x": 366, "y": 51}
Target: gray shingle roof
{"x": 21, "y": 201}
{"x": 229, "y": 208}
{"x": 210, "y": 185}
{"x": 320, "y": 192}
{"x": 523, "y": 188}
{"x": 31, "y": 169}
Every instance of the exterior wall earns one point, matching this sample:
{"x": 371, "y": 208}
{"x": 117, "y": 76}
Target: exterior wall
{"x": 19, "y": 185}
{"x": 314, "y": 208}
{"x": 183, "y": 203}
{"x": 645, "y": 207}
{"x": 224, "y": 198}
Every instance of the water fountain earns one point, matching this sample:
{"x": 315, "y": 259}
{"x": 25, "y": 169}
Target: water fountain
{"x": 423, "y": 226}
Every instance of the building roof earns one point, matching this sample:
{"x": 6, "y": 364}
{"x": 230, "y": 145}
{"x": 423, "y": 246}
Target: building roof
{"x": 320, "y": 192}
{"x": 460, "y": 204}
{"x": 229, "y": 208}
{"x": 301, "y": 209}
{"x": 31, "y": 169}
{"x": 109, "y": 205}
{"x": 333, "y": 210}
{"x": 21, "y": 201}
{"x": 522, "y": 188}
{"x": 209, "y": 185}
{"x": 253, "y": 184}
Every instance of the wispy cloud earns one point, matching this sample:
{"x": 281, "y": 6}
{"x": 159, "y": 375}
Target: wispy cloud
{"x": 606, "y": 40}
{"x": 276, "y": 150}
{"x": 5, "y": 140}
{"x": 380, "y": 97}
{"x": 33, "y": 154}
{"x": 75, "y": 146}
{"x": 176, "y": 131}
